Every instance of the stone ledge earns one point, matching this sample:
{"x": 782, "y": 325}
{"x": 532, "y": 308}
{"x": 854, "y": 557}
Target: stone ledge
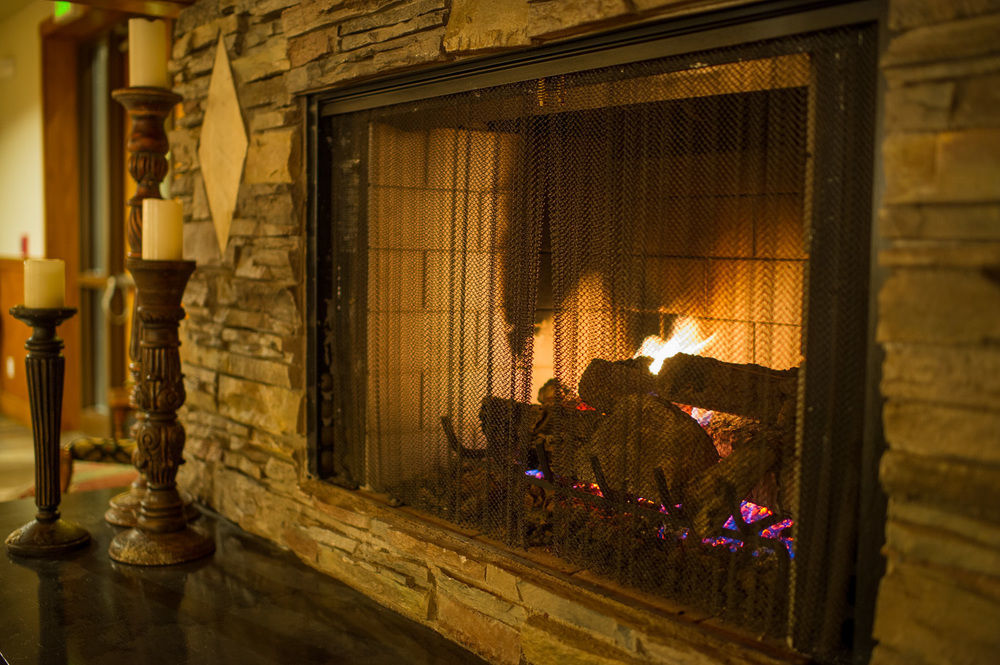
{"x": 950, "y": 69}
{"x": 650, "y": 633}
{"x": 906, "y": 14}
{"x": 982, "y": 534}
{"x": 973, "y": 222}
{"x": 966, "y": 376}
{"x": 922, "y": 609}
{"x": 940, "y": 305}
{"x": 937, "y": 544}
{"x": 308, "y": 15}
{"x": 945, "y": 167}
{"x": 382, "y": 34}
{"x": 964, "y": 103}
{"x": 645, "y": 614}
{"x": 938, "y": 254}
{"x": 932, "y": 429}
{"x": 959, "y": 487}
{"x": 957, "y": 39}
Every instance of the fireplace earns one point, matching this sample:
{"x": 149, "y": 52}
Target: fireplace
{"x": 615, "y": 313}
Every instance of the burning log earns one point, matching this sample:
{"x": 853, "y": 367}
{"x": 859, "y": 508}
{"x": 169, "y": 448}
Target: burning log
{"x": 729, "y": 431}
{"x": 604, "y": 382}
{"x": 505, "y": 422}
{"x": 748, "y": 390}
{"x": 706, "y": 497}
{"x": 641, "y": 433}
{"x": 510, "y": 426}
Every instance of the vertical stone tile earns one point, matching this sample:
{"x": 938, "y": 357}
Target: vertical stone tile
{"x": 779, "y": 226}
{"x": 731, "y": 341}
{"x": 909, "y": 164}
{"x": 777, "y": 346}
{"x": 778, "y": 291}
{"x": 730, "y": 289}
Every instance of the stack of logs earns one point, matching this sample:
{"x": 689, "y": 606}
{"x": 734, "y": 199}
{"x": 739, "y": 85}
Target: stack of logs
{"x": 635, "y": 442}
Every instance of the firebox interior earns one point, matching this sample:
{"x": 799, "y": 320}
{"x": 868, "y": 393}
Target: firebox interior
{"x": 574, "y": 313}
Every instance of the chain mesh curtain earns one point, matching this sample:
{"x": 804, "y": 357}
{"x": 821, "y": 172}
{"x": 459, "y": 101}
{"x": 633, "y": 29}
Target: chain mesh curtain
{"x": 510, "y": 239}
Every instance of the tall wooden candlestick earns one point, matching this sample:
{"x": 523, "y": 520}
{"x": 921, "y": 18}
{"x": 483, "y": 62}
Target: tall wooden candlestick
{"x": 48, "y": 533}
{"x": 161, "y": 535}
{"x": 148, "y": 108}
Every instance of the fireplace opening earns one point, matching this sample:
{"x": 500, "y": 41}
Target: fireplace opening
{"x": 618, "y": 315}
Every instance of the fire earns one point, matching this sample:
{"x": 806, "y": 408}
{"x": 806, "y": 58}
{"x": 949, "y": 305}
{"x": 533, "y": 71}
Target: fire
{"x": 685, "y": 338}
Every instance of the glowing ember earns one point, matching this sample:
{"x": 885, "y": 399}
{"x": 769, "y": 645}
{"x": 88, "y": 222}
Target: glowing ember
{"x": 703, "y": 416}
{"x": 685, "y": 338}
{"x": 751, "y": 512}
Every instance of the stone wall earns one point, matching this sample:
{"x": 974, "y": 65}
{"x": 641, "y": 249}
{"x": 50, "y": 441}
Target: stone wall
{"x": 939, "y": 322}
{"x": 245, "y": 338}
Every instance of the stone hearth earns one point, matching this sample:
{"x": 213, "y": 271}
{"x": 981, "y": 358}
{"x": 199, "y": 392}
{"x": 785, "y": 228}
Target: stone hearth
{"x": 938, "y": 230}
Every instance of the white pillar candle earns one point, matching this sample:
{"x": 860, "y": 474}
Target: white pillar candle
{"x": 44, "y": 283}
{"x": 147, "y": 53}
{"x": 162, "y": 230}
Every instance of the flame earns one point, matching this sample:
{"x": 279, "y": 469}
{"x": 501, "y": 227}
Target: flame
{"x": 685, "y": 338}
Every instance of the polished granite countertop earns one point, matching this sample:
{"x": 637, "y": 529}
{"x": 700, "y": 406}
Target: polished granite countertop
{"x": 248, "y": 603}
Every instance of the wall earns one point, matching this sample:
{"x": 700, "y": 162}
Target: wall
{"x": 939, "y": 321}
{"x": 244, "y": 344}
{"x": 21, "y": 202}
{"x": 21, "y": 192}
{"x": 244, "y": 337}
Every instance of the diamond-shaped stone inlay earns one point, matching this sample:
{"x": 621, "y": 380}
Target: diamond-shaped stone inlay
{"x": 223, "y": 146}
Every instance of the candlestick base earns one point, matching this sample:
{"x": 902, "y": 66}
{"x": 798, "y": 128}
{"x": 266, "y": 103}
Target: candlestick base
{"x": 43, "y": 538}
{"x": 123, "y": 509}
{"x": 162, "y": 535}
{"x": 148, "y": 548}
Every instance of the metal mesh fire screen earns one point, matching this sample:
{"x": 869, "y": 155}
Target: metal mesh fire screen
{"x": 577, "y": 313}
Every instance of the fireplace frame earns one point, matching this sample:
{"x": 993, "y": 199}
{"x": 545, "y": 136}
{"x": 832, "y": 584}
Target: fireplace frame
{"x": 723, "y": 28}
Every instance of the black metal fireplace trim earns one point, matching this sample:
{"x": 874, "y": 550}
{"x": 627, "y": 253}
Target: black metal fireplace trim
{"x": 765, "y": 20}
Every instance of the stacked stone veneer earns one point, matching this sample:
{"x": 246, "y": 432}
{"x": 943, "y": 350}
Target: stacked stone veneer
{"x": 244, "y": 338}
{"x": 939, "y": 322}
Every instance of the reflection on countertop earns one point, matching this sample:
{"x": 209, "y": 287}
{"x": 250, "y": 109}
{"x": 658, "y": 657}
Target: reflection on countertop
{"x": 249, "y": 603}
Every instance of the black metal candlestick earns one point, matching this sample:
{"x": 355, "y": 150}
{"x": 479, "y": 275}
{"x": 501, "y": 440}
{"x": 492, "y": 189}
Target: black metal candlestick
{"x": 161, "y": 535}
{"x": 48, "y": 533}
{"x": 148, "y": 108}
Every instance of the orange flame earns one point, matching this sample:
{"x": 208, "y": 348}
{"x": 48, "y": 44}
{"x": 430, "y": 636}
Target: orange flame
{"x": 685, "y": 338}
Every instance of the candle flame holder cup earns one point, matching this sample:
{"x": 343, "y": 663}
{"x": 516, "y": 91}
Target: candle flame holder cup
{"x": 161, "y": 535}
{"x": 48, "y": 534}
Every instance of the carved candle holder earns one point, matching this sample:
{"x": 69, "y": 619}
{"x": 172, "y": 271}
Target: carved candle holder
{"x": 147, "y": 145}
{"x": 48, "y": 533}
{"x": 161, "y": 535}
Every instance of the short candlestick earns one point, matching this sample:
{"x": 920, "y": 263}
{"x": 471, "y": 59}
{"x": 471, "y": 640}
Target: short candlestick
{"x": 48, "y": 533}
{"x": 161, "y": 535}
